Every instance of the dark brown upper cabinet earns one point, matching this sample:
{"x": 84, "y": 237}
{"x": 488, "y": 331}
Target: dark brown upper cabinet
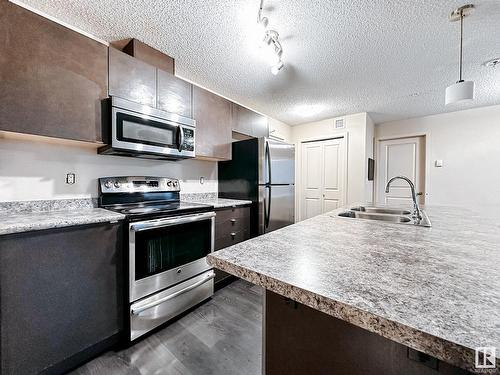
{"x": 52, "y": 79}
{"x": 213, "y": 125}
{"x": 131, "y": 78}
{"x": 174, "y": 94}
{"x": 248, "y": 122}
{"x": 148, "y": 54}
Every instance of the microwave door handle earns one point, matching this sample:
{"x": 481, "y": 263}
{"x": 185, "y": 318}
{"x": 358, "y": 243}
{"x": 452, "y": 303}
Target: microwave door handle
{"x": 181, "y": 138}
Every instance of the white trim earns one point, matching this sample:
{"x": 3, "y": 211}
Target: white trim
{"x": 62, "y": 23}
{"x": 428, "y": 162}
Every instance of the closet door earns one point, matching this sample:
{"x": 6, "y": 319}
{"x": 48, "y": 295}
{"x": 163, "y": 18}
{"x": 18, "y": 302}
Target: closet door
{"x": 323, "y": 176}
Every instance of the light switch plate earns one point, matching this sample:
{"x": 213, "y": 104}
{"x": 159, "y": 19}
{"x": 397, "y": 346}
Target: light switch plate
{"x": 438, "y": 163}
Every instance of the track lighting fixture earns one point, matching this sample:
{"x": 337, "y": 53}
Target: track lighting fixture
{"x": 270, "y": 41}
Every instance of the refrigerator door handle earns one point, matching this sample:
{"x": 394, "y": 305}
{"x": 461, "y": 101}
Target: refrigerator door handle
{"x": 268, "y": 162}
{"x": 267, "y": 207}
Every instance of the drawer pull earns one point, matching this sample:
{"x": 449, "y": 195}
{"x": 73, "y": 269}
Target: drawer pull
{"x": 233, "y": 221}
{"x": 233, "y": 235}
{"x": 138, "y": 310}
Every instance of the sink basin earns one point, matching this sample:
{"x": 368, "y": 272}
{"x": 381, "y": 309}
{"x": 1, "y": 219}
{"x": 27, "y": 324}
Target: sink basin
{"x": 375, "y": 216}
{"x": 381, "y": 210}
{"x": 387, "y": 214}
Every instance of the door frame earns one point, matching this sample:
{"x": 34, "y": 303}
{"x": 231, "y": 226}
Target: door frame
{"x": 427, "y": 164}
{"x": 298, "y": 165}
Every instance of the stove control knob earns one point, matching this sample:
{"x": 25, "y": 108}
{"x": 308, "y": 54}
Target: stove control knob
{"x": 108, "y": 184}
{"x": 176, "y": 183}
{"x": 117, "y": 184}
{"x": 169, "y": 183}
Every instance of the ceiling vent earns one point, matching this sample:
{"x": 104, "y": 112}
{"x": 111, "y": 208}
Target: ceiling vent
{"x": 340, "y": 123}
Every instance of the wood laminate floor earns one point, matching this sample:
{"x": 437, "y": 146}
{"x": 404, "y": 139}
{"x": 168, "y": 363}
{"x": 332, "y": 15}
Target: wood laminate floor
{"x": 222, "y": 336}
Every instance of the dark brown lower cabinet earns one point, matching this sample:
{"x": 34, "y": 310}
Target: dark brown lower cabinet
{"x": 301, "y": 340}
{"x": 232, "y": 225}
{"x": 60, "y": 297}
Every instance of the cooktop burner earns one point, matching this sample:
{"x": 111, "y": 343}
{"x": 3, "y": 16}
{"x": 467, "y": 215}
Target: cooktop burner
{"x": 161, "y": 208}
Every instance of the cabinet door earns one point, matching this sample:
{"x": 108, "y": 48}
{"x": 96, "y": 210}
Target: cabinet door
{"x": 248, "y": 122}
{"x": 131, "y": 78}
{"x": 213, "y": 125}
{"x": 61, "y": 294}
{"x": 52, "y": 78}
{"x": 174, "y": 94}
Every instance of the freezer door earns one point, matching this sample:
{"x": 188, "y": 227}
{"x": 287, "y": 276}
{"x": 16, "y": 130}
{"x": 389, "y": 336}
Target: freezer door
{"x": 276, "y": 162}
{"x": 276, "y": 207}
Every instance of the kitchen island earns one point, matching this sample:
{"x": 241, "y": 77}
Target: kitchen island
{"x": 434, "y": 290}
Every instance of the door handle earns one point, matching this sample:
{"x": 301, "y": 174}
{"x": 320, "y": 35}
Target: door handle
{"x": 420, "y": 193}
{"x": 268, "y": 160}
{"x": 268, "y": 211}
{"x": 140, "y": 309}
{"x": 181, "y": 138}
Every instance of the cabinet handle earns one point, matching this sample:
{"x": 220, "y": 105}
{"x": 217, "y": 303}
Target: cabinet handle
{"x": 233, "y": 221}
{"x": 233, "y": 235}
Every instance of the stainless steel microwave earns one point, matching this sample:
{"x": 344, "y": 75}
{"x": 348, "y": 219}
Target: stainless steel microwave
{"x": 141, "y": 131}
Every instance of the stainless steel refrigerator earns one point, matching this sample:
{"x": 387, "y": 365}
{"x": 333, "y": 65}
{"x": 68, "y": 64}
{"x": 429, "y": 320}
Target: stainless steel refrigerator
{"x": 261, "y": 170}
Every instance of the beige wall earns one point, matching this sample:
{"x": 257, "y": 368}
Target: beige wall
{"x": 468, "y": 143}
{"x": 280, "y": 130}
{"x": 359, "y": 129}
{"x": 36, "y": 170}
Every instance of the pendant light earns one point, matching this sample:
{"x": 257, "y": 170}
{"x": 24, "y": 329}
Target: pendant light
{"x": 461, "y": 91}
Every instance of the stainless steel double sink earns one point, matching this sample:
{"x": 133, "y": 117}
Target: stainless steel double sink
{"x": 387, "y": 214}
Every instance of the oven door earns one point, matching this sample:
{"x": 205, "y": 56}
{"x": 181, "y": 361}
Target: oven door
{"x": 146, "y": 134}
{"x": 165, "y": 252}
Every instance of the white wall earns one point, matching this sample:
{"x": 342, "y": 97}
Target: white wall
{"x": 359, "y": 128}
{"x": 469, "y": 144}
{"x": 369, "y": 153}
{"x": 32, "y": 170}
{"x": 280, "y": 130}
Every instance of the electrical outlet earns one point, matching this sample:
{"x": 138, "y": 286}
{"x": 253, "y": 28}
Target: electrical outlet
{"x": 202, "y": 180}
{"x": 70, "y": 178}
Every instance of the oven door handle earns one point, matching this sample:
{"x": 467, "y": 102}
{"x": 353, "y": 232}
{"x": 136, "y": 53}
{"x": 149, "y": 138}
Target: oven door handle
{"x": 140, "y": 309}
{"x": 160, "y": 223}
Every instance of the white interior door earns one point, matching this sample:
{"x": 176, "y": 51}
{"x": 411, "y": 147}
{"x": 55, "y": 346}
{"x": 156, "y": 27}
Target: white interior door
{"x": 323, "y": 172}
{"x": 400, "y": 157}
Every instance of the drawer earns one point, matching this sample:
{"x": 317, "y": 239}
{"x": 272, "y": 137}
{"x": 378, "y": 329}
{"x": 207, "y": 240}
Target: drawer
{"x": 232, "y": 212}
{"x": 153, "y": 311}
{"x": 231, "y": 239}
{"x": 230, "y": 225}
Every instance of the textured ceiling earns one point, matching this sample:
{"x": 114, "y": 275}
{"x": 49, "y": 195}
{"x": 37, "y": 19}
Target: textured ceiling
{"x": 391, "y": 58}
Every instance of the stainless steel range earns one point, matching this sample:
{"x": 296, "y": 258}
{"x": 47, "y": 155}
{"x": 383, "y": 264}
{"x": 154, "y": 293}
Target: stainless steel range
{"x": 168, "y": 241}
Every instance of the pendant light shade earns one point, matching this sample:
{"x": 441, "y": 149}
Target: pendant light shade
{"x": 462, "y": 91}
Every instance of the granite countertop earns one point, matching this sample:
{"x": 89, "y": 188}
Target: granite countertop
{"x": 12, "y": 221}
{"x": 436, "y": 290}
{"x": 221, "y": 202}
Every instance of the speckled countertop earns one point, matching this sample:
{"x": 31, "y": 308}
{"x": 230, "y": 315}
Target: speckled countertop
{"x": 17, "y": 217}
{"x": 436, "y": 289}
{"x": 221, "y": 202}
